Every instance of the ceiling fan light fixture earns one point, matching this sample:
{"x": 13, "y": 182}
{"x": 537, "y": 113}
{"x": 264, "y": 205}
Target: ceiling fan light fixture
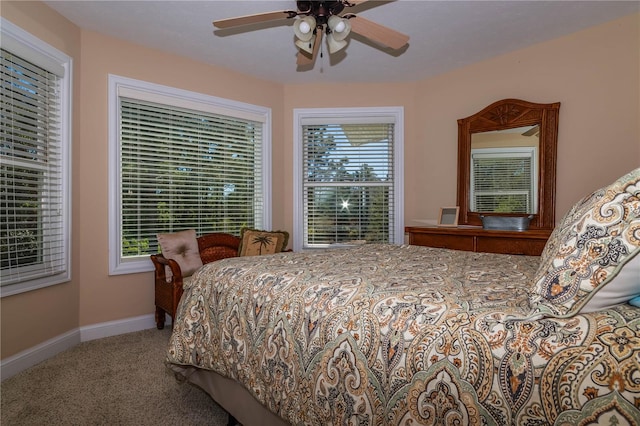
{"x": 303, "y": 28}
{"x": 315, "y": 19}
{"x": 340, "y": 27}
{"x": 335, "y": 45}
{"x": 304, "y": 6}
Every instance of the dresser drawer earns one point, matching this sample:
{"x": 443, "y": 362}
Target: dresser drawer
{"x": 529, "y": 243}
{"x": 454, "y": 242}
{"x": 529, "y": 247}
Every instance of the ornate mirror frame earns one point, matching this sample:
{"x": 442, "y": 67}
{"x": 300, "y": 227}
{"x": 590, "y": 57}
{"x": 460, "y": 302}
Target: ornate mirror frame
{"x": 508, "y": 114}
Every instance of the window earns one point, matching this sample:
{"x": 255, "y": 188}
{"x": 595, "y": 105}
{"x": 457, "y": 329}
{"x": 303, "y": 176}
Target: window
{"x": 348, "y": 168}
{"x": 182, "y": 160}
{"x": 35, "y": 163}
{"x": 503, "y": 180}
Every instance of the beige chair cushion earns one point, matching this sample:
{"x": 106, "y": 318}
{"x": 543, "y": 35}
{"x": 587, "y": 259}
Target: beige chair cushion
{"x": 183, "y": 248}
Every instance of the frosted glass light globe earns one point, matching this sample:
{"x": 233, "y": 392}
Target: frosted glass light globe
{"x": 304, "y": 27}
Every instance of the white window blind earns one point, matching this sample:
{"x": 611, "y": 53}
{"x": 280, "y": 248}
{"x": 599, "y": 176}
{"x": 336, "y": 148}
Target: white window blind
{"x": 185, "y": 169}
{"x": 503, "y": 181}
{"x": 34, "y": 206}
{"x": 348, "y": 183}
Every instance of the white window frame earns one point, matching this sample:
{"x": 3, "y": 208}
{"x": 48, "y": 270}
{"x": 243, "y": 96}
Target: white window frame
{"x": 357, "y": 115}
{"x": 31, "y": 48}
{"x": 166, "y": 95}
{"x": 508, "y": 152}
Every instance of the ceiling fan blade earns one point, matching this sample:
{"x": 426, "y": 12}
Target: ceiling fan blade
{"x": 377, "y": 33}
{"x": 254, "y": 19}
{"x": 303, "y": 59}
{"x": 532, "y": 131}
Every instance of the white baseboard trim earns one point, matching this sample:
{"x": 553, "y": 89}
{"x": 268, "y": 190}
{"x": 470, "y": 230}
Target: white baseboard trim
{"x": 114, "y": 328}
{"x": 13, "y": 365}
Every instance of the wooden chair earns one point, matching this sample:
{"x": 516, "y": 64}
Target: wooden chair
{"x": 212, "y": 247}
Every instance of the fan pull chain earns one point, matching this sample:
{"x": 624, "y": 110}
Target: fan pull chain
{"x": 321, "y": 58}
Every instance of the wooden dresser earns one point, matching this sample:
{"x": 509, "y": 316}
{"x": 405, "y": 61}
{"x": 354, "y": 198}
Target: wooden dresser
{"x": 475, "y": 238}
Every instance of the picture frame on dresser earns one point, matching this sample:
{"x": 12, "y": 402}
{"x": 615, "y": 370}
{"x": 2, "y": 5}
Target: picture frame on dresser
{"x": 448, "y": 216}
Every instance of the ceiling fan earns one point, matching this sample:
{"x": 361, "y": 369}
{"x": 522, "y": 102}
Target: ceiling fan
{"x": 313, "y": 19}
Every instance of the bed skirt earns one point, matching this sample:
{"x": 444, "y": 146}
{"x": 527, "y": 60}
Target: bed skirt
{"x": 230, "y": 395}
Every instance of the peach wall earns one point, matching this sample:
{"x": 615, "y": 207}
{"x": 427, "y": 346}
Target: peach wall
{"x": 103, "y": 297}
{"x": 94, "y": 297}
{"x": 31, "y": 318}
{"x": 594, "y": 73}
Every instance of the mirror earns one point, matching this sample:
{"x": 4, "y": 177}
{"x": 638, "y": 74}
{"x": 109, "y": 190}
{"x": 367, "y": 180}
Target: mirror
{"x": 504, "y": 171}
{"x": 507, "y": 162}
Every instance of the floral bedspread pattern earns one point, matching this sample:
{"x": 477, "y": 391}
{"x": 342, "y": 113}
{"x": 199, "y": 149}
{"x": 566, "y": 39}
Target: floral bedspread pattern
{"x": 402, "y": 335}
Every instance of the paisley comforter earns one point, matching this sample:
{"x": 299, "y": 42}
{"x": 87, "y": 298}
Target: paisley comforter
{"x": 406, "y": 335}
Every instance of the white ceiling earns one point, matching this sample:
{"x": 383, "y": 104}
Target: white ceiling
{"x": 444, "y": 35}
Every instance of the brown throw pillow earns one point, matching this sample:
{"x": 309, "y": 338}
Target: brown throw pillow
{"x": 255, "y": 242}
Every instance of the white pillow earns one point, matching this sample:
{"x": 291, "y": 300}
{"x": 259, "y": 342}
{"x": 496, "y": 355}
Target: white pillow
{"x": 622, "y": 288}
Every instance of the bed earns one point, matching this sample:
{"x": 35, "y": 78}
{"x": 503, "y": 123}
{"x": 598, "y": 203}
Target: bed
{"x": 383, "y": 334}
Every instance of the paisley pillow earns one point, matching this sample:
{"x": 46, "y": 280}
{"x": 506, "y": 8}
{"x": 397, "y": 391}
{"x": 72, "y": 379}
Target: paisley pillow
{"x": 588, "y": 263}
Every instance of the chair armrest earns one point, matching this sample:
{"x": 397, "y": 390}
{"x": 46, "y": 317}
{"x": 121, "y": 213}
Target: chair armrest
{"x": 161, "y": 263}
{"x": 167, "y": 291}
